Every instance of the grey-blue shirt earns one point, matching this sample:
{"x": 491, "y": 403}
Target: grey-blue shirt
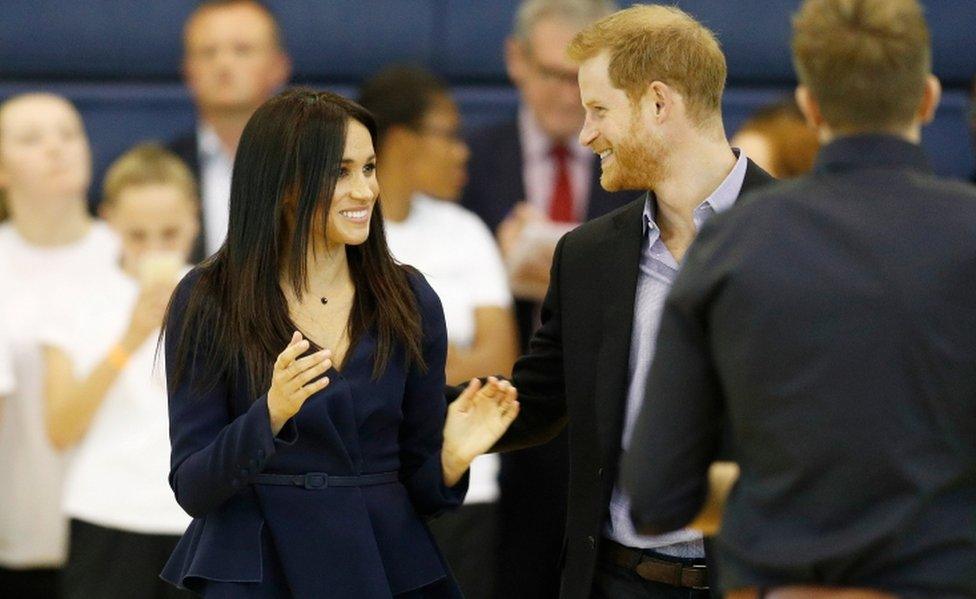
{"x": 658, "y": 269}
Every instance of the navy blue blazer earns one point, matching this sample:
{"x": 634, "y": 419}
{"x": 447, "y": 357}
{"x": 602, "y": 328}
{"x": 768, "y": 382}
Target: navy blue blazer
{"x": 338, "y": 541}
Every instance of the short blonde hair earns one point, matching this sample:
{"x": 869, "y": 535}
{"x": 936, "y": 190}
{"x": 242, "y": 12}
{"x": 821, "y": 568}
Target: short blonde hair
{"x": 864, "y": 61}
{"x": 148, "y": 164}
{"x": 650, "y": 43}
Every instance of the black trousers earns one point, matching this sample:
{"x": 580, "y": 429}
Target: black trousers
{"x": 106, "y": 563}
{"x": 616, "y": 582}
{"x": 468, "y": 538}
{"x": 33, "y": 583}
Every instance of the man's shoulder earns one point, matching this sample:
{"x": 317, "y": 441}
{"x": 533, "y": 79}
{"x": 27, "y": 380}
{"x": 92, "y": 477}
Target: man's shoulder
{"x": 185, "y": 139}
{"x": 611, "y": 223}
{"x": 186, "y": 146}
{"x": 489, "y": 137}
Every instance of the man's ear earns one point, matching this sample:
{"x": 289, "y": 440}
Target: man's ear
{"x": 399, "y": 142}
{"x": 396, "y": 136}
{"x": 930, "y": 100}
{"x": 515, "y": 60}
{"x": 659, "y": 101}
{"x": 282, "y": 69}
{"x": 105, "y": 211}
{"x": 808, "y": 106}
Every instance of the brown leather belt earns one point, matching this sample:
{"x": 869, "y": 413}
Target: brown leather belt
{"x": 809, "y": 592}
{"x": 655, "y": 569}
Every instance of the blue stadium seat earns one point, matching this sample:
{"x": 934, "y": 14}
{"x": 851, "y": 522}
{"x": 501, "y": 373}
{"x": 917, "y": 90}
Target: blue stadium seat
{"x": 119, "y": 61}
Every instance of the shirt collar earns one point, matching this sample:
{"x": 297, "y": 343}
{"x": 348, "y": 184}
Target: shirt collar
{"x": 871, "y": 151}
{"x": 208, "y": 142}
{"x": 536, "y": 145}
{"x": 722, "y": 198}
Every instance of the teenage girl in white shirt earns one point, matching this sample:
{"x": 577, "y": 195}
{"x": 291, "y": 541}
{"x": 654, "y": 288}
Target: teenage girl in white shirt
{"x": 104, "y": 399}
{"x": 49, "y": 247}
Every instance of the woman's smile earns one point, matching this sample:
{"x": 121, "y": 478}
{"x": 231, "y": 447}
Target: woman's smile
{"x": 357, "y": 215}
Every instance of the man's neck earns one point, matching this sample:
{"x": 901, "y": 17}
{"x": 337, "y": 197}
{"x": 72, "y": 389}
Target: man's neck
{"x": 695, "y": 171}
{"x": 912, "y": 134}
{"x": 397, "y": 191}
{"x": 228, "y": 125}
{"x": 49, "y": 223}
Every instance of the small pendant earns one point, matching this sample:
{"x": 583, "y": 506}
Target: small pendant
{"x": 325, "y": 300}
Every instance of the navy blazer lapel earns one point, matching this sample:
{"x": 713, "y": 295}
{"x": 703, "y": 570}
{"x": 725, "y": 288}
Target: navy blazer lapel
{"x": 620, "y": 260}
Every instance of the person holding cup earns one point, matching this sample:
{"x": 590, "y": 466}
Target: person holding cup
{"x": 105, "y": 399}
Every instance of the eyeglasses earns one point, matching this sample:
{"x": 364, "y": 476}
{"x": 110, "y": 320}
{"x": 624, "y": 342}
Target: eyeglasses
{"x": 548, "y": 74}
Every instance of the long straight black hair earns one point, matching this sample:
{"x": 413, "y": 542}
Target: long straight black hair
{"x": 236, "y": 315}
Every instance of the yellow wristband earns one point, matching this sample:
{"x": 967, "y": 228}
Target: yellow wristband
{"x": 118, "y": 357}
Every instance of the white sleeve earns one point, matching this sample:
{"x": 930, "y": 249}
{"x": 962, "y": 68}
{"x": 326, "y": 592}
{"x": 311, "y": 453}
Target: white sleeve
{"x": 488, "y": 280}
{"x": 69, "y": 335}
{"x": 7, "y": 381}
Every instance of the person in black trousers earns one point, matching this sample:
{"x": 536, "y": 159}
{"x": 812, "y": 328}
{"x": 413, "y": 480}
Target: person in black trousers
{"x": 830, "y": 322}
{"x": 609, "y": 277}
{"x": 514, "y": 179}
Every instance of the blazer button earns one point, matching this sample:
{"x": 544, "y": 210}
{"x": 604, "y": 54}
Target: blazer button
{"x": 591, "y": 541}
{"x": 599, "y": 473}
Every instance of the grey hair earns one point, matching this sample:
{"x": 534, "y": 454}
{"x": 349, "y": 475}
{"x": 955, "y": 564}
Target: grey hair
{"x": 577, "y": 12}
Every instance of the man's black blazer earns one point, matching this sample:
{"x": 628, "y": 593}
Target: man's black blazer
{"x": 576, "y": 371}
{"x": 186, "y": 147}
{"x": 532, "y": 482}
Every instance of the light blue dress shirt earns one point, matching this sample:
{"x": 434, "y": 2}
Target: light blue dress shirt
{"x": 658, "y": 269}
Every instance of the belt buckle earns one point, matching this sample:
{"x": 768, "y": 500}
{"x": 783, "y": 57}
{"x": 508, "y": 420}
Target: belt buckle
{"x": 316, "y": 480}
{"x": 701, "y": 567}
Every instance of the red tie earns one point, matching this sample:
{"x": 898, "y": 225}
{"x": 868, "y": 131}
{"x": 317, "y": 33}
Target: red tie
{"x": 561, "y": 202}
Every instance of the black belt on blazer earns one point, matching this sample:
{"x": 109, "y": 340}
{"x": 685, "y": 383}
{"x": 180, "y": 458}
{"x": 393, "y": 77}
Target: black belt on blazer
{"x": 321, "y": 480}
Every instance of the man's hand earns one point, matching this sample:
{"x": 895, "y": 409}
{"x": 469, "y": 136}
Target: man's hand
{"x": 721, "y": 478}
{"x": 528, "y": 275}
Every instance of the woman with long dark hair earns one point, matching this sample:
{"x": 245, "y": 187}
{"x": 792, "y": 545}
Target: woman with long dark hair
{"x": 306, "y": 373}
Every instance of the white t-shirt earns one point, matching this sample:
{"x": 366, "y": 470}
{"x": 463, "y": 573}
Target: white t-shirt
{"x": 7, "y": 381}
{"x": 116, "y": 476}
{"x": 39, "y": 285}
{"x": 457, "y": 254}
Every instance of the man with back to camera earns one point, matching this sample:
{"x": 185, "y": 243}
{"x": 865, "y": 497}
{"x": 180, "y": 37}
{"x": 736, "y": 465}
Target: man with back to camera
{"x": 830, "y": 320}
{"x": 651, "y": 81}
{"x": 529, "y": 172}
{"x": 233, "y": 60}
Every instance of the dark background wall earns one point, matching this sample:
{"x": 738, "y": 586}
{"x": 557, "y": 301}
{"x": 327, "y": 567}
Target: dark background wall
{"x": 119, "y": 60}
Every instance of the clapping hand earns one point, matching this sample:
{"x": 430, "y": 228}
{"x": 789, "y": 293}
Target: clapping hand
{"x": 295, "y": 379}
{"x": 475, "y": 422}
